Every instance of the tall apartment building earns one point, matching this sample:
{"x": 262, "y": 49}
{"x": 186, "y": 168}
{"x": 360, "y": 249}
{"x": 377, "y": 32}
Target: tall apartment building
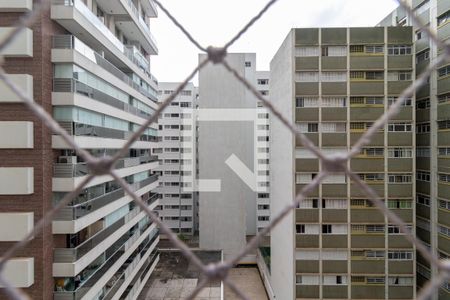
{"x": 432, "y": 136}
{"x": 262, "y": 157}
{"x": 333, "y": 83}
{"x": 177, "y": 154}
{"x": 233, "y": 156}
{"x": 87, "y": 63}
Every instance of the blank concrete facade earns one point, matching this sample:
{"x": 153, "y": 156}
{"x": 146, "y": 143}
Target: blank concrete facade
{"x": 234, "y": 202}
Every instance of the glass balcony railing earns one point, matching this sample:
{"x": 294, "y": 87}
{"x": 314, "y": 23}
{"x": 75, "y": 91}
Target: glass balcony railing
{"x": 70, "y": 213}
{"x": 69, "y": 85}
{"x": 61, "y": 170}
{"x": 92, "y": 276}
{"x": 79, "y": 129}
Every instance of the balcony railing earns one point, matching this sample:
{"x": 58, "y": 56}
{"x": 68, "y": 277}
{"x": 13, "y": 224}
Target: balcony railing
{"x": 81, "y": 169}
{"x": 78, "y": 129}
{"x": 113, "y": 253}
{"x": 77, "y": 211}
{"x": 87, "y": 13}
{"x": 71, "y": 42}
{"x": 68, "y": 85}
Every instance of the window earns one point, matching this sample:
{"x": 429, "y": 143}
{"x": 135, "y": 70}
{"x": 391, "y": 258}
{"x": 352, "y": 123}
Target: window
{"x": 248, "y": 64}
{"x": 406, "y": 102}
{"x": 263, "y": 218}
{"x": 330, "y": 127}
{"x": 374, "y": 254}
{"x": 423, "y": 223}
{"x": 355, "y": 101}
{"x": 307, "y": 279}
{"x": 444, "y": 151}
{"x": 263, "y": 81}
{"x": 400, "y": 178}
{"x": 335, "y": 179}
{"x": 301, "y": 178}
{"x": 334, "y": 203}
{"x": 361, "y": 203}
{"x": 444, "y": 230}
{"x": 423, "y": 152}
{"x": 421, "y": 35}
{"x": 360, "y": 126}
{"x": 306, "y": 102}
{"x": 423, "y": 176}
{"x": 333, "y": 102}
{"x": 334, "y": 51}
{"x": 423, "y": 127}
{"x": 372, "y": 177}
{"x": 357, "y": 49}
{"x": 333, "y": 76}
{"x": 444, "y": 204}
{"x": 400, "y": 255}
{"x": 334, "y": 280}
{"x": 375, "y": 49}
{"x": 307, "y": 76}
{"x": 444, "y": 71}
{"x": 403, "y": 281}
{"x": 375, "y": 280}
{"x": 399, "y": 50}
{"x": 307, "y": 51}
{"x": 372, "y": 152}
{"x": 399, "y": 127}
{"x": 445, "y": 124}
{"x": 327, "y": 229}
{"x": 394, "y": 229}
{"x": 369, "y": 75}
{"x": 399, "y": 75}
{"x": 309, "y": 203}
{"x": 423, "y": 56}
{"x": 400, "y": 153}
{"x": 423, "y": 103}
{"x": 307, "y": 229}
{"x": 444, "y": 177}
{"x": 400, "y": 204}
{"x": 424, "y": 200}
{"x": 186, "y": 93}
{"x": 308, "y": 127}
{"x": 374, "y": 228}
{"x": 444, "y": 98}
{"x": 445, "y": 17}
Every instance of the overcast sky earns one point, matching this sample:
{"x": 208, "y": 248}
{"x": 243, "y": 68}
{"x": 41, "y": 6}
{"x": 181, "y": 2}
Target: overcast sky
{"x": 212, "y": 22}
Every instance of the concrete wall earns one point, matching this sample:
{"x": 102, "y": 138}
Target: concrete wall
{"x": 223, "y": 214}
{"x": 282, "y": 171}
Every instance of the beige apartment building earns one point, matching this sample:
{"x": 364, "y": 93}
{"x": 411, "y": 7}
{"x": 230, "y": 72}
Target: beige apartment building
{"x": 87, "y": 63}
{"x": 432, "y": 136}
{"x": 333, "y": 83}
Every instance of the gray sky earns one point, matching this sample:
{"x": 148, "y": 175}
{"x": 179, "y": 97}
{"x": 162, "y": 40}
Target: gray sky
{"x": 212, "y": 22}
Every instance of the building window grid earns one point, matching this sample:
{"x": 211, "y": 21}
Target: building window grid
{"x": 406, "y": 102}
{"x": 423, "y": 103}
{"x": 444, "y": 98}
{"x": 366, "y": 75}
{"x": 399, "y": 50}
{"x": 399, "y": 204}
{"x": 400, "y": 255}
{"x": 372, "y": 152}
{"x": 424, "y": 200}
{"x": 400, "y": 178}
{"x": 356, "y": 101}
{"x": 423, "y": 176}
{"x": 444, "y": 151}
{"x": 399, "y": 127}
{"x": 423, "y": 56}
{"x": 444, "y": 204}
{"x": 394, "y": 229}
{"x": 399, "y": 75}
{"x": 444, "y": 124}
{"x": 444, "y": 18}
{"x": 444, "y": 71}
{"x": 400, "y": 152}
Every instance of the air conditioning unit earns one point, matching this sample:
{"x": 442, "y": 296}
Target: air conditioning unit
{"x": 67, "y": 160}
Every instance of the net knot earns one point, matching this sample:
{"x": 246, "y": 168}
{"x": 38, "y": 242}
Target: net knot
{"x": 335, "y": 163}
{"x": 101, "y": 166}
{"x": 218, "y": 271}
{"x": 216, "y": 54}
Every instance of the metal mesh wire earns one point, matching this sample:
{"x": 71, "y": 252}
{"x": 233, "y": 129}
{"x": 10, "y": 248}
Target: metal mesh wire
{"x": 216, "y": 55}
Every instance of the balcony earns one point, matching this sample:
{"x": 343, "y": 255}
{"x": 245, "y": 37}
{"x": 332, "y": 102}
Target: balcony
{"x": 75, "y": 16}
{"x": 114, "y": 254}
{"x": 78, "y": 129}
{"x": 131, "y": 52}
{"x": 77, "y": 211}
{"x": 81, "y": 169}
